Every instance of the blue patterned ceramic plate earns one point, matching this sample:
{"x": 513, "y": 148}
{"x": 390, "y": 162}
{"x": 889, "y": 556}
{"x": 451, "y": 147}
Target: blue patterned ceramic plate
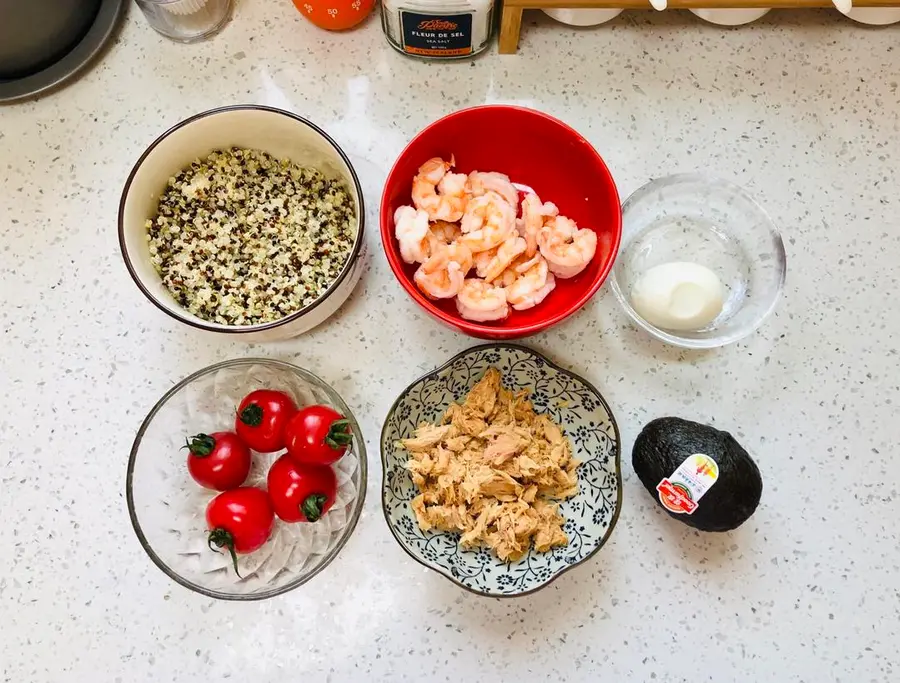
{"x": 572, "y": 403}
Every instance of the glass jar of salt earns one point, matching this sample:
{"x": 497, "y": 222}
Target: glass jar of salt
{"x": 438, "y": 29}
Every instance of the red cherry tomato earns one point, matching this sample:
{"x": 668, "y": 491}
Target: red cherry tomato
{"x": 261, "y": 418}
{"x": 317, "y": 435}
{"x": 219, "y": 461}
{"x": 240, "y": 520}
{"x": 301, "y": 493}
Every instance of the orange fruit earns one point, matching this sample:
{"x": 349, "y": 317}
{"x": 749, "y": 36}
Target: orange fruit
{"x": 335, "y": 15}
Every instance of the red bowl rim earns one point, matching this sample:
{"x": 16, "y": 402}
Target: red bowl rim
{"x": 472, "y": 328}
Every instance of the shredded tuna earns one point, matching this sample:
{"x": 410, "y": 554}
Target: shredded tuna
{"x": 491, "y": 471}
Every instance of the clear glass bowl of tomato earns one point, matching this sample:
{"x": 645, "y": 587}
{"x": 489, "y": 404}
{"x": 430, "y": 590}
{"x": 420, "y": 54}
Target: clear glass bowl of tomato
{"x": 167, "y": 507}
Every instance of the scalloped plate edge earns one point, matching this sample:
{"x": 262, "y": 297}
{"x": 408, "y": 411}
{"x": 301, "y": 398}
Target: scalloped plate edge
{"x": 436, "y": 372}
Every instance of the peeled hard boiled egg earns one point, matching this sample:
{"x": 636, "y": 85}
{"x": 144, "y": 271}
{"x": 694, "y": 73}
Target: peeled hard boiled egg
{"x": 678, "y": 296}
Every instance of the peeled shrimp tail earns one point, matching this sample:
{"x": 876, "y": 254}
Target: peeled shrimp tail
{"x": 440, "y": 194}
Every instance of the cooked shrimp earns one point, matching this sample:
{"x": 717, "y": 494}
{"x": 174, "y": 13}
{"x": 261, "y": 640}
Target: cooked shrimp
{"x": 482, "y": 182}
{"x": 567, "y": 248}
{"x": 442, "y": 274}
{"x": 482, "y": 259}
{"x": 453, "y": 184}
{"x": 487, "y": 222}
{"x": 491, "y": 264}
{"x": 507, "y": 277}
{"x": 412, "y": 233}
{"x": 443, "y": 282}
{"x": 531, "y": 287}
{"x": 458, "y": 253}
{"x": 442, "y": 234}
{"x": 523, "y": 263}
{"x": 520, "y": 265}
{"x": 482, "y": 302}
{"x": 439, "y": 193}
{"x": 445, "y": 231}
{"x": 534, "y": 214}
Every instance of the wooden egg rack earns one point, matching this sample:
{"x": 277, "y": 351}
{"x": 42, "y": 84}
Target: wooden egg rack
{"x": 511, "y": 18}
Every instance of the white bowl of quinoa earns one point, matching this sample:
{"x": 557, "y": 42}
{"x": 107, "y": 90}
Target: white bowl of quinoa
{"x": 244, "y": 220}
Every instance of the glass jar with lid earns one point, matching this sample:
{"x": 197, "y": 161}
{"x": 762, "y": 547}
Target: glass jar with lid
{"x": 438, "y": 29}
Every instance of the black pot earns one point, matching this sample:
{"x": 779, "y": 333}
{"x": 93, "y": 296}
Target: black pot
{"x": 37, "y": 33}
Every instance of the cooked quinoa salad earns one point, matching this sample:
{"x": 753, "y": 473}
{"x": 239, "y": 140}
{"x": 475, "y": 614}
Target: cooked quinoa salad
{"x": 241, "y": 238}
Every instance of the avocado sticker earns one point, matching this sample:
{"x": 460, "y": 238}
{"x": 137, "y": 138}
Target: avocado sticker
{"x": 681, "y": 492}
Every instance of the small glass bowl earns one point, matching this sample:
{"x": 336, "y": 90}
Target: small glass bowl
{"x": 689, "y": 217}
{"x": 168, "y": 509}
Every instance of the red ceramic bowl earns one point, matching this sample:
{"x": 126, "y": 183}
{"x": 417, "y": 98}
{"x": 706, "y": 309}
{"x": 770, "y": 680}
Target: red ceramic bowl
{"x": 532, "y": 149}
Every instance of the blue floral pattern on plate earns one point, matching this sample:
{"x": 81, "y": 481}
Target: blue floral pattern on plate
{"x": 572, "y": 403}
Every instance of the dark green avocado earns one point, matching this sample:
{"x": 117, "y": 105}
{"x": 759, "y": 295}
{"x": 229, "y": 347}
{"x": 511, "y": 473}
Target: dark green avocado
{"x": 665, "y": 443}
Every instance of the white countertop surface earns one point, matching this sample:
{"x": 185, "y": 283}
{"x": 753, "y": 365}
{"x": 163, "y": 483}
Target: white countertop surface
{"x": 802, "y": 109}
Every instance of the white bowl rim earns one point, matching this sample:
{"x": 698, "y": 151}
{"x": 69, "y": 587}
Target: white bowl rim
{"x": 747, "y": 15}
{"x": 619, "y": 491}
{"x": 673, "y": 339}
{"x": 261, "y": 327}
{"x": 345, "y": 534}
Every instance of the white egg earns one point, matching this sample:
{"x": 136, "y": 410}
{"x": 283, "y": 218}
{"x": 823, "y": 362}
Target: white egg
{"x": 678, "y": 296}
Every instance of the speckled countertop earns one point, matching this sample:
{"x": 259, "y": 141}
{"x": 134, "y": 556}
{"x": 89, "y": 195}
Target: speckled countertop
{"x": 801, "y": 108}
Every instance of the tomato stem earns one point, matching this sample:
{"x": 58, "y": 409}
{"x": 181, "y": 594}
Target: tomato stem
{"x": 339, "y": 435}
{"x": 252, "y": 415}
{"x": 312, "y": 506}
{"x": 200, "y": 445}
{"x": 222, "y": 539}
